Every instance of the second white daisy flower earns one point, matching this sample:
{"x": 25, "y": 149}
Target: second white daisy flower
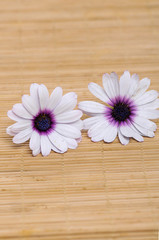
{"x": 126, "y": 112}
{"x": 49, "y": 122}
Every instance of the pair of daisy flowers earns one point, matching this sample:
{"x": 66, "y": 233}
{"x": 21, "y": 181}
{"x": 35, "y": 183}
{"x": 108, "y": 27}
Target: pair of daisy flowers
{"x": 51, "y": 123}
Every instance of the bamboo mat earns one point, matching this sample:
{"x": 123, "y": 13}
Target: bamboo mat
{"x": 99, "y": 191}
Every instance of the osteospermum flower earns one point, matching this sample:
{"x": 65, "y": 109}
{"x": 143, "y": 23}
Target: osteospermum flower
{"x": 49, "y": 122}
{"x": 126, "y": 112}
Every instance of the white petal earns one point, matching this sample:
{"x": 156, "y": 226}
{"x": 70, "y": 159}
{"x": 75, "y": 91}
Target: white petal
{"x": 144, "y": 131}
{"x": 148, "y": 113}
{"x": 30, "y": 105}
{"x": 68, "y": 117}
{"x": 138, "y": 137}
{"x": 99, "y": 137}
{"x": 34, "y": 90}
{"x": 36, "y": 152}
{"x": 68, "y": 131}
{"x": 110, "y": 133}
{"x": 133, "y": 85}
{"x": 79, "y": 139}
{"x": 58, "y": 141}
{"x": 146, "y": 123}
{"x": 55, "y": 149}
{"x": 21, "y": 112}
{"x": 88, "y": 122}
{"x": 19, "y": 126}
{"x": 97, "y": 128}
{"x": 128, "y": 131}
{"x": 14, "y": 117}
{"x": 124, "y": 140}
{"x": 45, "y": 145}
{"x": 10, "y": 132}
{"x": 92, "y": 107}
{"x": 68, "y": 103}
{"x": 34, "y": 93}
{"x": 78, "y": 124}
{"x": 147, "y": 97}
{"x": 98, "y": 92}
{"x": 152, "y": 105}
{"x": 128, "y": 84}
{"x": 55, "y": 98}
{"x": 71, "y": 143}
{"x": 113, "y": 76}
{"x": 43, "y": 96}
{"x": 22, "y": 136}
{"x": 111, "y": 85}
{"x": 35, "y": 141}
{"x": 142, "y": 87}
{"x": 125, "y": 82}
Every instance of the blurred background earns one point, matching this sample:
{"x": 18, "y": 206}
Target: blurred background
{"x": 98, "y": 191}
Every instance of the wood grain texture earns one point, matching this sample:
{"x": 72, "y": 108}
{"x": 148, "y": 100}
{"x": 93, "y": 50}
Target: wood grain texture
{"x": 99, "y": 191}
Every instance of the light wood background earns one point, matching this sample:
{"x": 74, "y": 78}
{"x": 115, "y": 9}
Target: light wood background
{"x": 99, "y": 191}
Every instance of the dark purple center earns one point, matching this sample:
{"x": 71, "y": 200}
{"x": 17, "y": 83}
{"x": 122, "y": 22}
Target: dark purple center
{"x": 44, "y": 122}
{"x": 121, "y": 112}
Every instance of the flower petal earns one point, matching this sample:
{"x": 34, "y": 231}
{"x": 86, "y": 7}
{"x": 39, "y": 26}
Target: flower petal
{"x": 10, "y": 132}
{"x": 55, "y": 149}
{"x": 142, "y": 87}
{"x": 68, "y": 103}
{"x": 68, "y": 117}
{"x": 79, "y": 139}
{"x": 88, "y": 122}
{"x": 125, "y": 82}
{"x": 78, "y": 124}
{"x": 55, "y": 98}
{"x": 128, "y": 131}
{"x": 111, "y": 85}
{"x": 71, "y": 143}
{"x": 23, "y": 136}
{"x": 99, "y": 137}
{"x": 144, "y": 131}
{"x": 110, "y": 133}
{"x": 133, "y": 85}
{"x": 19, "y": 126}
{"x": 21, "y": 112}
{"x": 68, "y": 131}
{"x": 14, "y": 117}
{"x": 92, "y": 107}
{"x": 146, "y": 123}
{"x": 30, "y": 105}
{"x": 152, "y": 105}
{"x": 124, "y": 140}
{"x": 58, "y": 141}
{"x": 34, "y": 93}
{"x": 98, "y": 92}
{"x": 45, "y": 145}
{"x": 97, "y": 128}
{"x": 43, "y": 96}
{"x": 35, "y": 141}
{"x": 147, "y": 97}
{"x": 35, "y": 152}
{"x": 148, "y": 113}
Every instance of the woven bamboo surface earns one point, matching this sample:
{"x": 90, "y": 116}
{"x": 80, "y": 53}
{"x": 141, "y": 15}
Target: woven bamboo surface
{"x": 99, "y": 191}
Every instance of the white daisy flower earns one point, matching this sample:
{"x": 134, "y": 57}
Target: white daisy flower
{"x": 128, "y": 110}
{"x": 49, "y": 122}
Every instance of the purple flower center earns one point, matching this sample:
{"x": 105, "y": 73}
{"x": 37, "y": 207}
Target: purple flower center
{"x": 121, "y": 111}
{"x": 44, "y": 122}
